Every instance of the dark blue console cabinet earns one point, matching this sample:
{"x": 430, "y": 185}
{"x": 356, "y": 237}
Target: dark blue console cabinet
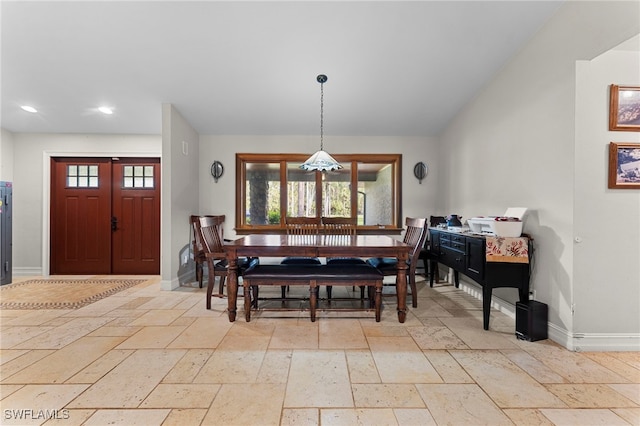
{"x": 465, "y": 253}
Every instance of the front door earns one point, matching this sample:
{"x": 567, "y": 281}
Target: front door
{"x": 105, "y": 216}
{"x": 136, "y": 217}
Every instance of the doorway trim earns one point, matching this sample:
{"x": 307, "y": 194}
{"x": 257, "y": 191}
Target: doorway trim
{"x": 46, "y": 194}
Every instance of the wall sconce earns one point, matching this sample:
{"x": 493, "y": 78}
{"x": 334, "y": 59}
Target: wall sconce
{"x": 420, "y": 171}
{"x": 217, "y": 169}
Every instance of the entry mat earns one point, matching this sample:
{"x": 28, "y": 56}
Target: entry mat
{"x": 60, "y": 293}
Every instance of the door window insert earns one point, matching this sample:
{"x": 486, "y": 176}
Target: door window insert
{"x": 137, "y": 177}
{"x": 82, "y": 176}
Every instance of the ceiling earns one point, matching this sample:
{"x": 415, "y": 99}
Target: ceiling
{"x": 238, "y": 67}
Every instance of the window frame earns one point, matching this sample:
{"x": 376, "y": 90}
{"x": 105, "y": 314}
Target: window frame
{"x": 395, "y": 160}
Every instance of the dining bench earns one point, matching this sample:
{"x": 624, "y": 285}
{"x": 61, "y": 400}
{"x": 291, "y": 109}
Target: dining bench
{"x": 315, "y": 276}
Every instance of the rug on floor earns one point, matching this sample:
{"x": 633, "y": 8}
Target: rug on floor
{"x": 60, "y": 293}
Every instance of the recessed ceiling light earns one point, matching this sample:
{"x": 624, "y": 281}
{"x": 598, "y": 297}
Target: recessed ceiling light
{"x": 105, "y": 110}
{"x": 29, "y": 108}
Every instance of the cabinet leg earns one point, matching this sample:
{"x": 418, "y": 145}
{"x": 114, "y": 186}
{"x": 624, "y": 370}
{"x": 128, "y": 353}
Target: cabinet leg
{"x": 432, "y": 268}
{"x": 486, "y": 305}
{"x": 524, "y": 293}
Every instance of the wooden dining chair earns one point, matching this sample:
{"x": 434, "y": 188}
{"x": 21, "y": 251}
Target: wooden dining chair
{"x": 196, "y": 246}
{"x": 338, "y": 226}
{"x": 211, "y": 236}
{"x": 341, "y": 226}
{"x": 425, "y": 254}
{"x": 301, "y": 227}
{"x": 415, "y": 234}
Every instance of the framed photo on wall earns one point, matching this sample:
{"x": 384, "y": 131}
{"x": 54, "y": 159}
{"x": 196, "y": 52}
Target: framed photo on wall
{"x": 624, "y": 165}
{"x": 624, "y": 108}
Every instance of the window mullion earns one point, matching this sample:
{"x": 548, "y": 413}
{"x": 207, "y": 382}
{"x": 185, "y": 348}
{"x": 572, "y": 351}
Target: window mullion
{"x": 284, "y": 192}
{"x": 319, "y": 197}
{"x": 354, "y": 189}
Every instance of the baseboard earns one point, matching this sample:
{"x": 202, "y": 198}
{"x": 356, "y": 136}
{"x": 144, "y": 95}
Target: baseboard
{"x": 497, "y": 303}
{"x": 577, "y": 342}
{"x": 26, "y": 272}
{"x": 169, "y": 285}
{"x": 595, "y": 342}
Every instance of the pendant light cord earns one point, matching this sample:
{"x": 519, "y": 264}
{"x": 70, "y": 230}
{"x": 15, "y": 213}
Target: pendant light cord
{"x": 321, "y": 116}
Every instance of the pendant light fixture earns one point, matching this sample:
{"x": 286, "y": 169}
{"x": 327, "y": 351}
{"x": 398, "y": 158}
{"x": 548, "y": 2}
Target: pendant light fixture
{"x": 321, "y": 160}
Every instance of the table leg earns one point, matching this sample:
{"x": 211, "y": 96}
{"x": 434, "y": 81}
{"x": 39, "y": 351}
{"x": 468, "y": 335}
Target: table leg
{"x": 313, "y": 299}
{"x": 401, "y": 288}
{"x": 378, "y": 300}
{"x": 247, "y": 300}
{"x": 232, "y": 287}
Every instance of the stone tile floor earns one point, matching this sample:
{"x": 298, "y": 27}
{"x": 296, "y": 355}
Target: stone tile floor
{"x": 150, "y": 357}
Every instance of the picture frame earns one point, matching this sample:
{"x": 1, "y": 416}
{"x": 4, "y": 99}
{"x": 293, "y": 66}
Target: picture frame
{"x": 624, "y": 165}
{"x": 624, "y": 108}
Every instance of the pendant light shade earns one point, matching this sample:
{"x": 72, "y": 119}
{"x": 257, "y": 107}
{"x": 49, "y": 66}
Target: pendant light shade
{"x": 321, "y": 160}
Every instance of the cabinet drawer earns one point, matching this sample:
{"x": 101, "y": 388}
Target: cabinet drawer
{"x": 456, "y": 242}
{"x": 452, "y": 258}
{"x": 434, "y": 242}
{"x": 459, "y": 246}
{"x": 457, "y": 239}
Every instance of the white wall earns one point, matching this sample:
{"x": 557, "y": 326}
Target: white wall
{"x": 607, "y": 221}
{"x": 6, "y": 155}
{"x": 31, "y": 185}
{"x": 180, "y": 145}
{"x": 515, "y": 145}
{"x": 419, "y": 200}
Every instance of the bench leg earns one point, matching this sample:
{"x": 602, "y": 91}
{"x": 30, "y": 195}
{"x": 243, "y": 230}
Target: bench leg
{"x": 378, "y": 300}
{"x": 371, "y": 297}
{"x": 255, "y": 293}
{"x": 247, "y": 300}
{"x": 313, "y": 299}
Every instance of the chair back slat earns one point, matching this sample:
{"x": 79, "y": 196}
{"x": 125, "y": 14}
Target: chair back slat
{"x": 415, "y": 234}
{"x": 339, "y": 225}
{"x": 303, "y": 225}
{"x": 211, "y": 234}
{"x": 196, "y": 241}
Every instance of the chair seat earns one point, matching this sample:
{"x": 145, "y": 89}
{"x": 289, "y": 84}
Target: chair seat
{"x": 300, "y": 260}
{"x": 384, "y": 264}
{"x": 345, "y": 261}
{"x": 243, "y": 264}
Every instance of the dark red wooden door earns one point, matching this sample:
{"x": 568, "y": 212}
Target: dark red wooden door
{"x": 80, "y": 215}
{"x": 105, "y": 216}
{"x": 136, "y": 216}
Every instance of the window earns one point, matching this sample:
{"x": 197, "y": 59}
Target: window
{"x": 82, "y": 176}
{"x": 270, "y": 187}
{"x": 137, "y": 176}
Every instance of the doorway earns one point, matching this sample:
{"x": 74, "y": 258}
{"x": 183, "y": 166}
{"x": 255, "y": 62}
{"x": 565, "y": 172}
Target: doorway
{"x": 105, "y": 216}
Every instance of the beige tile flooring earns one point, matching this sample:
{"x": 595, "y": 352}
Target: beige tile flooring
{"x": 150, "y": 357}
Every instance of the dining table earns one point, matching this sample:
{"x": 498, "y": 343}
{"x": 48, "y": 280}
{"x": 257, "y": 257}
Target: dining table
{"x": 277, "y": 245}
